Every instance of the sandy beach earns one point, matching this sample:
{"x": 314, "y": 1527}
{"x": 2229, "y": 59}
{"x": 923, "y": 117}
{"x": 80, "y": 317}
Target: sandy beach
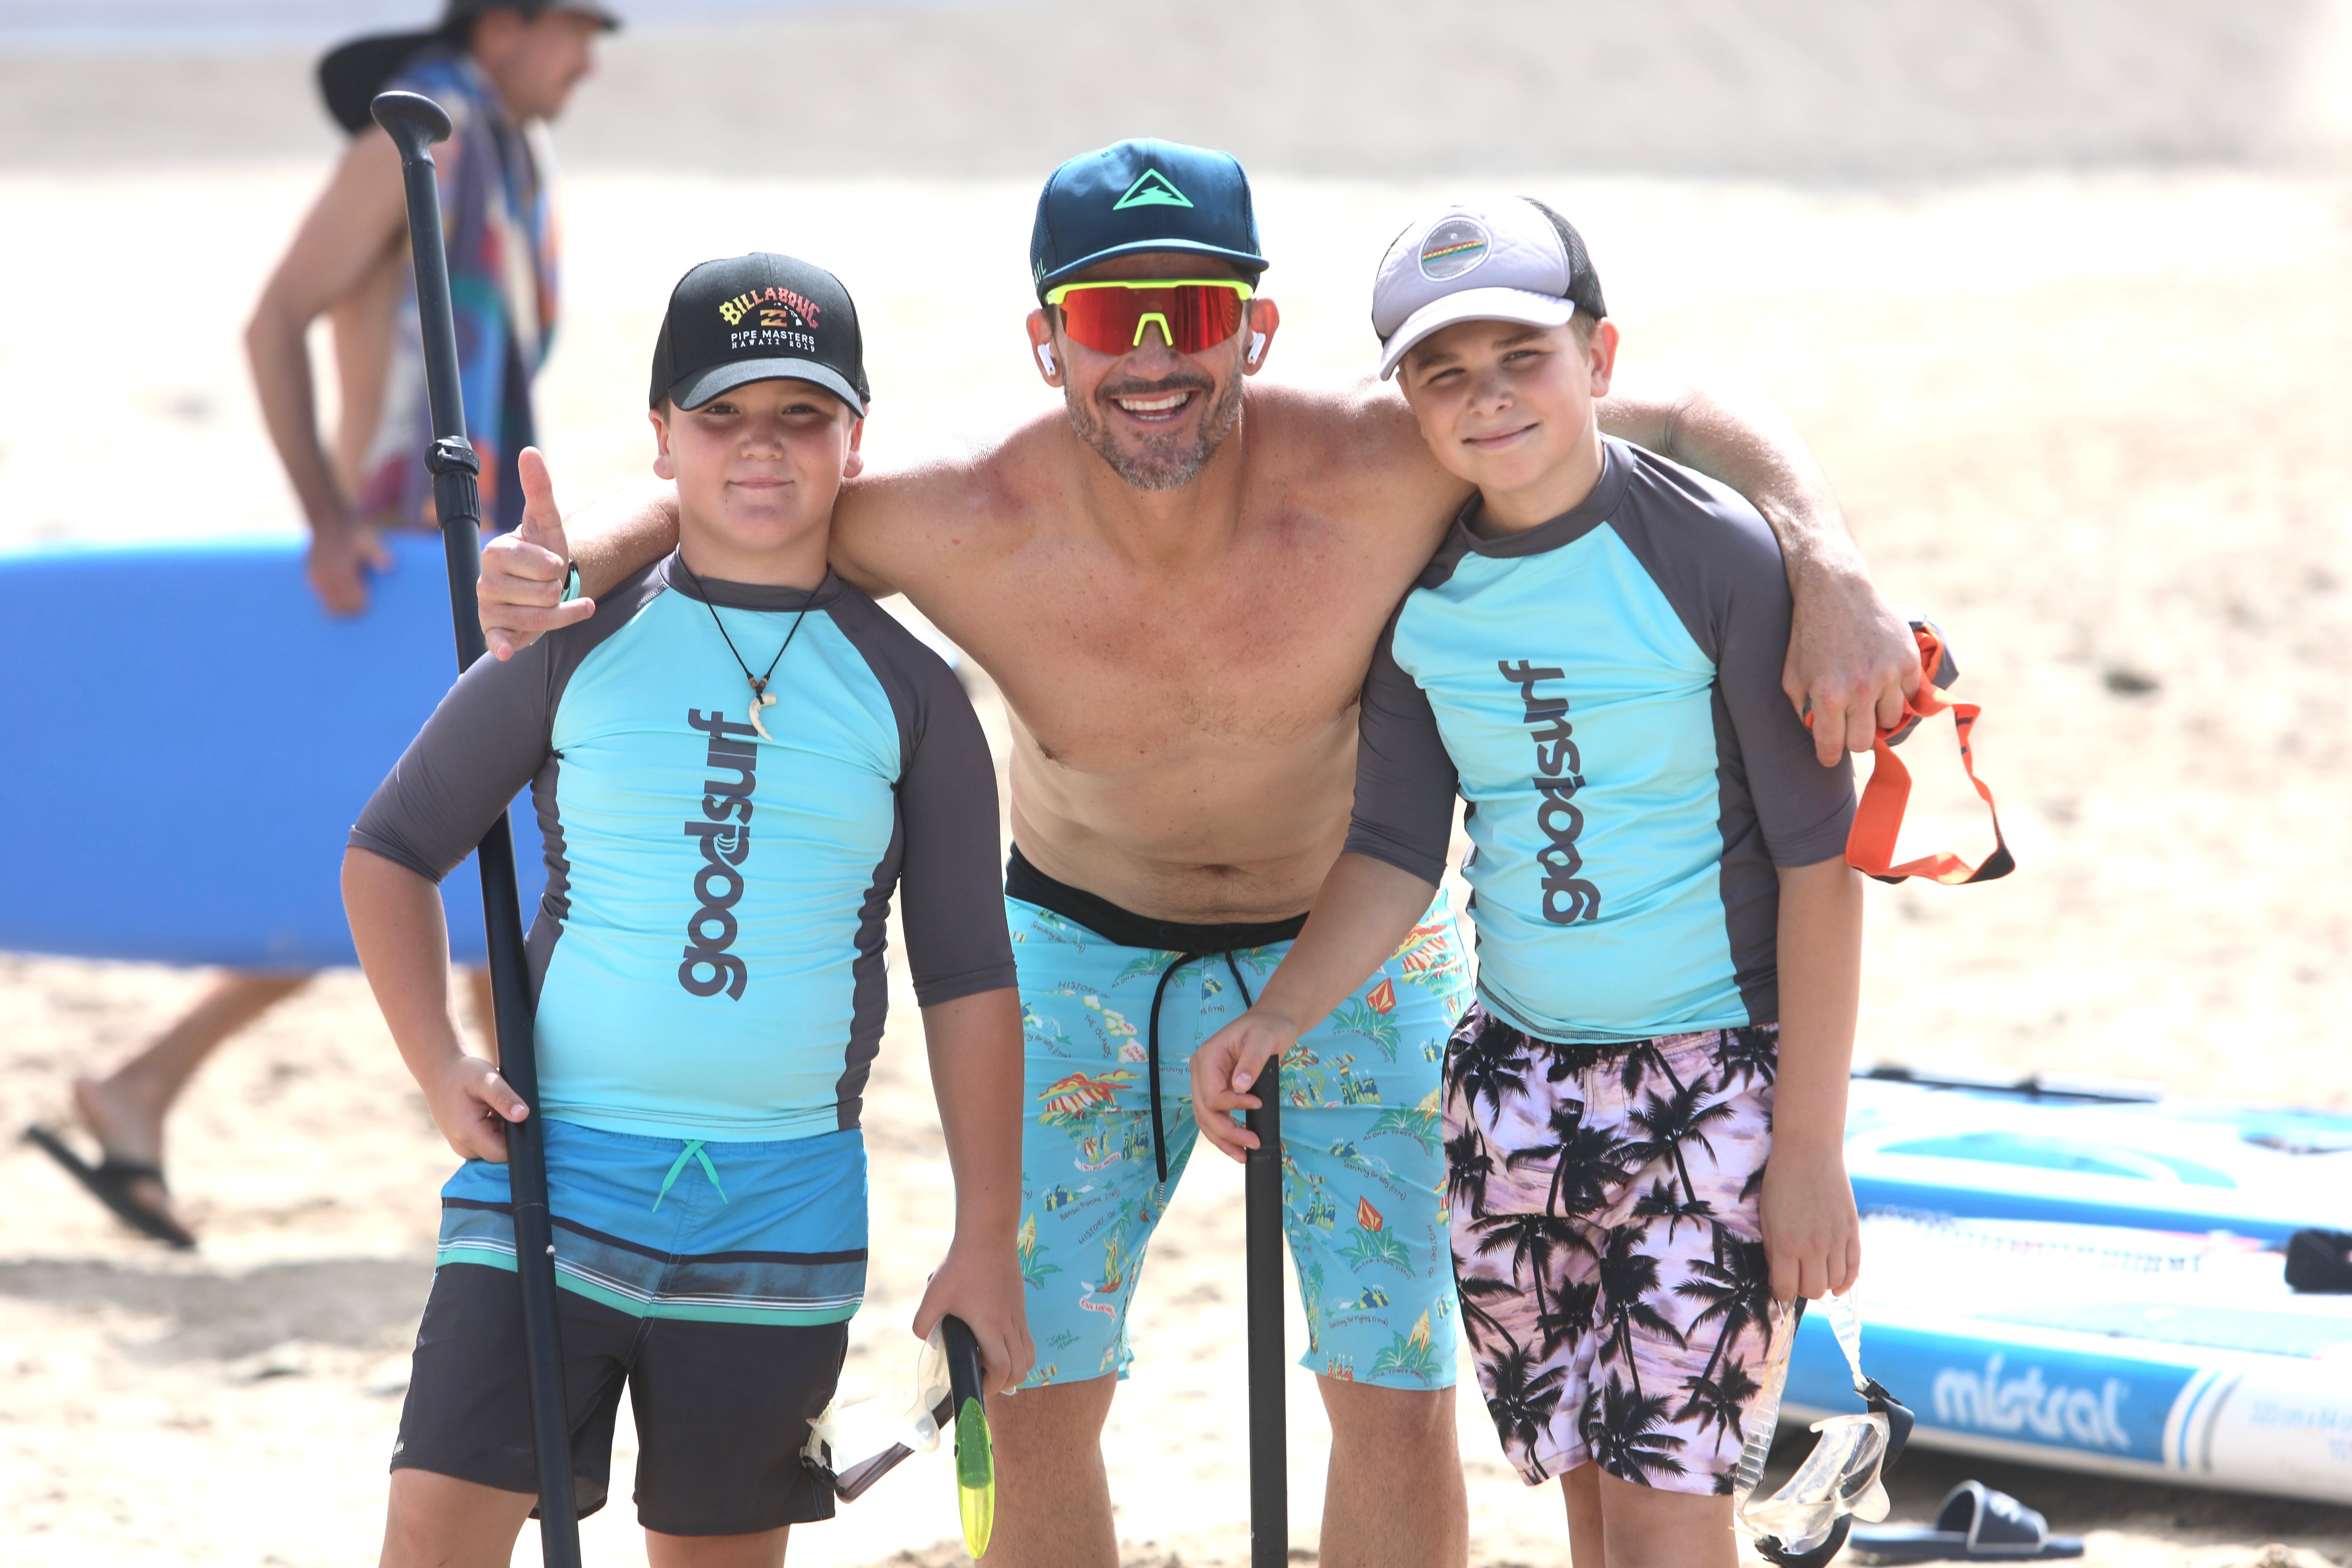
{"x": 2091, "y": 413}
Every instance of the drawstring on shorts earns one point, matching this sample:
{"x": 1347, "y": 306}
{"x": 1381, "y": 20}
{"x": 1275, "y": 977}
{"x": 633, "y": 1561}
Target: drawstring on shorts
{"x": 1151, "y": 1047}
{"x": 693, "y": 1151}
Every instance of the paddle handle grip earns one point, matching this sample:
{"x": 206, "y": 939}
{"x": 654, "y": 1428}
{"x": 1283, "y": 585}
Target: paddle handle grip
{"x": 965, "y": 1369}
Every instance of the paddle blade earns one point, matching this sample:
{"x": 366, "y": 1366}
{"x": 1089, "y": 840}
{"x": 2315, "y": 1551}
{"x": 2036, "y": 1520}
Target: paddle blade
{"x": 975, "y": 1476}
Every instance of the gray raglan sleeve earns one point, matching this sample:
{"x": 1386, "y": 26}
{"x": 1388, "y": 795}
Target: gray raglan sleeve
{"x": 1405, "y": 782}
{"x": 1802, "y": 808}
{"x": 484, "y": 742}
{"x": 950, "y": 887}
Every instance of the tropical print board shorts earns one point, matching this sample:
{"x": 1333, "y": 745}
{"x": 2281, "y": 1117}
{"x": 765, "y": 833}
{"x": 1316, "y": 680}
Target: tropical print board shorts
{"x": 1362, "y": 1172}
{"x": 1606, "y": 1244}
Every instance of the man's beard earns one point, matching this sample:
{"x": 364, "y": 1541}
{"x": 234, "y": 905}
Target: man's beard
{"x": 1165, "y": 461}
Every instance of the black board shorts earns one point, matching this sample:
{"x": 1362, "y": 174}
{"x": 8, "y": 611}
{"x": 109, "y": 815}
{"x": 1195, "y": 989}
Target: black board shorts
{"x": 722, "y": 1409}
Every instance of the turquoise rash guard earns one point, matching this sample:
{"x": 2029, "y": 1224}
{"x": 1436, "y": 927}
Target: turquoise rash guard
{"x": 707, "y": 960}
{"x": 1604, "y": 692}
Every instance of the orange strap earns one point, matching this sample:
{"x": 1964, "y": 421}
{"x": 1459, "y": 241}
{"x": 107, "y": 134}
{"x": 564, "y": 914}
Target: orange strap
{"x": 1870, "y": 847}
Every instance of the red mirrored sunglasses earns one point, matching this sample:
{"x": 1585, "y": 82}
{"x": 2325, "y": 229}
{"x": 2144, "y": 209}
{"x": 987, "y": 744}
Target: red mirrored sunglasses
{"x": 1191, "y": 313}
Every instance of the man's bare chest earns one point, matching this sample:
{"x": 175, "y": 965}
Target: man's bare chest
{"x": 1109, "y": 666}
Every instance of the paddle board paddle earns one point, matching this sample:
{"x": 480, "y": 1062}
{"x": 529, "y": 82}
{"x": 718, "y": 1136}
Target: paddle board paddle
{"x": 975, "y": 1458}
{"x": 1262, "y": 1205}
{"x": 414, "y": 123}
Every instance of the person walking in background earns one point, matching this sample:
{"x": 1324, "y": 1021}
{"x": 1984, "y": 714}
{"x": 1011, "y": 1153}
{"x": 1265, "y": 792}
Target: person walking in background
{"x": 501, "y": 68}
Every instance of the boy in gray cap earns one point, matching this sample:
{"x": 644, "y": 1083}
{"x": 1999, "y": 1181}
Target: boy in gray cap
{"x": 1644, "y": 1108}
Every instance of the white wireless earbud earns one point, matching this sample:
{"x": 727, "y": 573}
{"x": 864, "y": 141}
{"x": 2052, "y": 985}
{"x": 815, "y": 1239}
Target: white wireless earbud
{"x": 1257, "y": 347}
{"x": 1045, "y": 358}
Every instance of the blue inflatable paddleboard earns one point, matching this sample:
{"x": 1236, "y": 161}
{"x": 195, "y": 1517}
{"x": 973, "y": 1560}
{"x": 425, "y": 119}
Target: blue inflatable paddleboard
{"x": 189, "y": 737}
{"x": 2091, "y": 1278}
{"x": 2087, "y": 1155}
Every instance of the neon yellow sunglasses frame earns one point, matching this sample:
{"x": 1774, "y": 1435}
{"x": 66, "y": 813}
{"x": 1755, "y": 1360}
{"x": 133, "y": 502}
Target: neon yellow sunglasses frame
{"x": 1055, "y": 296}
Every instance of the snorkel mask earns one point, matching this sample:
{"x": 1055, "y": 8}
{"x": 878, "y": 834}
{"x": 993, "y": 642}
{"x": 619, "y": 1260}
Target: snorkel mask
{"x": 1804, "y": 1523}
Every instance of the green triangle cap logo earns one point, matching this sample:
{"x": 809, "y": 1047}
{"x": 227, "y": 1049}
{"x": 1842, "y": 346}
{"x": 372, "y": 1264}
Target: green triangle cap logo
{"x": 1152, "y": 189}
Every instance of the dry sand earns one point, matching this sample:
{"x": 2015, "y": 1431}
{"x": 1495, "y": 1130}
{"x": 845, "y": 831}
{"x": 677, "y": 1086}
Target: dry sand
{"x": 2096, "y": 421}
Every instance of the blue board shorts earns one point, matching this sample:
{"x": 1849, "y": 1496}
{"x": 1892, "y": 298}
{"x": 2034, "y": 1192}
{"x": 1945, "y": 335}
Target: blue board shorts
{"x": 713, "y": 1280}
{"x": 1363, "y": 1171}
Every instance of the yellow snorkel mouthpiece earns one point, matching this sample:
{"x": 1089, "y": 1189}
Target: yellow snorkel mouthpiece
{"x": 975, "y": 1457}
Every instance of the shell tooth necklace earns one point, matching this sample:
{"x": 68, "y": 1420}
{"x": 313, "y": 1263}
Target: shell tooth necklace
{"x": 761, "y": 696}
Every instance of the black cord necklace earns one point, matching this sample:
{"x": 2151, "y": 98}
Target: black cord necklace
{"x": 761, "y": 696}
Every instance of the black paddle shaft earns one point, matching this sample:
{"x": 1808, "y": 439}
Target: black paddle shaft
{"x": 1269, "y": 1446}
{"x": 414, "y": 123}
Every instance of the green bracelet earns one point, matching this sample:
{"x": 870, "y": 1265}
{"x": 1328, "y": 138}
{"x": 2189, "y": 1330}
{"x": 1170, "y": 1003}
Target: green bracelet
{"x": 571, "y": 582}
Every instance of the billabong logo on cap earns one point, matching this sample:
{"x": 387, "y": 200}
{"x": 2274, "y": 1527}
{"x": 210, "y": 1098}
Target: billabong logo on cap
{"x": 1452, "y": 248}
{"x": 1152, "y": 189}
{"x": 785, "y": 319}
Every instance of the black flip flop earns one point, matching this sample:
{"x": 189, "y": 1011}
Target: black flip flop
{"x": 110, "y": 1183}
{"x": 1973, "y": 1524}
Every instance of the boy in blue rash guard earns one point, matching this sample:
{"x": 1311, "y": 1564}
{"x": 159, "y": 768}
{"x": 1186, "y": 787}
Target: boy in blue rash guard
{"x": 734, "y": 761}
{"x": 1644, "y": 1106}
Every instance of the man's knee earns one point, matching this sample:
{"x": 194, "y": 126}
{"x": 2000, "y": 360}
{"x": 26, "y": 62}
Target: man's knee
{"x": 1418, "y": 1420}
{"x": 1049, "y": 1421}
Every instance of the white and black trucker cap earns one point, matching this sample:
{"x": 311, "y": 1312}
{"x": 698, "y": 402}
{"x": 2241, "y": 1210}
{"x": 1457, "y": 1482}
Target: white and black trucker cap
{"x": 1511, "y": 258}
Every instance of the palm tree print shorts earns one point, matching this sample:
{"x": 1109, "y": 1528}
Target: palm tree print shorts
{"x": 1606, "y": 1247}
{"x": 1362, "y": 1172}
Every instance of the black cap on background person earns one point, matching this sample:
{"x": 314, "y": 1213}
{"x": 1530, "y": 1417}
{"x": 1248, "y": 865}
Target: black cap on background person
{"x": 760, "y": 317}
{"x": 350, "y": 75}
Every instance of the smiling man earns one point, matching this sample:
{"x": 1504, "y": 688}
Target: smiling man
{"x": 1179, "y": 586}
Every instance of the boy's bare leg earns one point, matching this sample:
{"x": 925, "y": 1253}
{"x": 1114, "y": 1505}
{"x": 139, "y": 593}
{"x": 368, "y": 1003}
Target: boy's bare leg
{"x": 1581, "y": 1489}
{"x": 1646, "y": 1527}
{"x": 1053, "y": 1498}
{"x": 1394, "y": 1492}
{"x": 125, "y": 1109}
{"x": 439, "y": 1522}
{"x": 764, "y": 1550}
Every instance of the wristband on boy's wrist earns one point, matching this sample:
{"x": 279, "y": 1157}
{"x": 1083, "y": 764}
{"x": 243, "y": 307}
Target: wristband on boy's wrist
{"x": 571, "y": 582}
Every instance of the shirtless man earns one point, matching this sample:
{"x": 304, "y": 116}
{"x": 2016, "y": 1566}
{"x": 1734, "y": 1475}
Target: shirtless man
{"x": 1182, "y": 779}
{"x": 501, "y": 68}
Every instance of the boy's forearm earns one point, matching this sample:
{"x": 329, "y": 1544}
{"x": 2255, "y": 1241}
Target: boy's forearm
{"x": 974, "y": 1044}
{"x": 1821, "y": 991}
{"x": 1363, "y": 910}
{"x": 614, "y": 534}
{"x": 404, "y": 947}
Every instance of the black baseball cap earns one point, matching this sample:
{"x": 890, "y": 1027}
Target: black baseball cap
{"x": 760, "y": 317}
{"x": 351, "y": 73}
{"x": 1142, "y": 194}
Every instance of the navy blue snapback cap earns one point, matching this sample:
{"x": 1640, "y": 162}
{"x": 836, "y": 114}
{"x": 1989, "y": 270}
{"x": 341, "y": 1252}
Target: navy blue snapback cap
{"x": 1142, "y": 194}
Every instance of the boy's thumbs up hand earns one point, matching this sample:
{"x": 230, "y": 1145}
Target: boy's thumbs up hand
{"x": 523, "y": 573}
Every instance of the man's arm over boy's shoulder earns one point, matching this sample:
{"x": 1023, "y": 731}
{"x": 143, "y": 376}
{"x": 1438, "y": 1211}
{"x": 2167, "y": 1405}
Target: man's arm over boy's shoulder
{"x": 1717, "y": 563}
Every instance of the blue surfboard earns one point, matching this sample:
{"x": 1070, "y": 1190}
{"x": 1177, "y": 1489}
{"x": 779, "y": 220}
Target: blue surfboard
{"x": 189, "y": 737}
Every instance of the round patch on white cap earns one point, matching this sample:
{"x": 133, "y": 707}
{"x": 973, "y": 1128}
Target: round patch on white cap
{"x": 1453, "y": 247}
